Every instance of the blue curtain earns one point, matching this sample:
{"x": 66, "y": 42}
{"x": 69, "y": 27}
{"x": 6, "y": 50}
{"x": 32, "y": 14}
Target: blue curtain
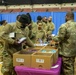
{"x": 58, "y": 17}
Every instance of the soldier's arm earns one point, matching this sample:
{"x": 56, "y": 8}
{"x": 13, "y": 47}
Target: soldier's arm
{"x": 33, "y": 31}
{"x": 5, "y": 34}
{"x": 61, "y": 34}
{"x": 29, "y": 42}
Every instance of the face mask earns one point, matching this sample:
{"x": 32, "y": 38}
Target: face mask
{"x": 49, "y": 20}
{"x": 66, "y": 20}
{"x": 23, "y": 25}
{"x": 45, "y": 21}
{"x": 39, "y": 28}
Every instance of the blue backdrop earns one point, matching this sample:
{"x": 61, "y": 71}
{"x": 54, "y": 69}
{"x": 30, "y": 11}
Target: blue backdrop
{"x": 58, "y": 17}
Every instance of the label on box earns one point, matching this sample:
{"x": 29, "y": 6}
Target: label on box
{"x": 40, "y": 60}
{"x": 19, "y": 60}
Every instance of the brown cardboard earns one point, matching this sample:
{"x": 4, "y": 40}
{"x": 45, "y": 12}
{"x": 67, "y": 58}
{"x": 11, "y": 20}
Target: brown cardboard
{"x": 55, "y": 55}
{"x": 22, "y": 59}
{"x": 42, "y": 60}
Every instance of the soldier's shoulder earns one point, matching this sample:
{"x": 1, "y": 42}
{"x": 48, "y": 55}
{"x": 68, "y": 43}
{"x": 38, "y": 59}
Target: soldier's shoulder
{"x": 52, "y": 23}
{"x": 63, "y": 25}
{"x": 13, "y": 23}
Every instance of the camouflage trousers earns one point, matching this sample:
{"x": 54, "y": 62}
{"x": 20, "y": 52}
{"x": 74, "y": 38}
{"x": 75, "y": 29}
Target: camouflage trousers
{"x": 7, "y": 67}
{"x": 68, "y": 65}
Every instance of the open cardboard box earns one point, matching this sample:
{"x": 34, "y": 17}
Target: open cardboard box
{"x": 42, "y": 60}
{"x": 47, "y": 49}
{"x": 23, "y": 57}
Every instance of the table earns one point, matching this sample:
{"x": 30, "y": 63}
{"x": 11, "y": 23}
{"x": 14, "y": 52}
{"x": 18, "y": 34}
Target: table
{"x": 20, "y": 70}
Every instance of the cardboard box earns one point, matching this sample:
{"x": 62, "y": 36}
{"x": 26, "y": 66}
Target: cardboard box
{"x": 23, "y": 58}
{"x": 42, "y": 60}
{"x": 47, "y": 49}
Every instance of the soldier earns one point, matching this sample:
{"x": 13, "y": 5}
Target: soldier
{"x": 39, "y": 19}
{"x": 3, "y": 23}
{"x": 32, "y": 29}
{"x": 41, "y": 35}
{"x": 67, "y": 44}
{"x": 51, "y": 26}
{"x": 12, "y": 44}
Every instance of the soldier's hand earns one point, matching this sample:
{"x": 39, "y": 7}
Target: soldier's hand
{"x": 49, "y": 37}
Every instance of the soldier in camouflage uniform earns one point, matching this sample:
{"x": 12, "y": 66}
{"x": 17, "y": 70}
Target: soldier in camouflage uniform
{"x": 11, "y": 43}
{"x": 39, "y": 19}
{"x": 48, "y": 26}
{"x": 32, "y": 29}
{"x": 51, "y": 26}
{"x": 67, "y": 44}
{"x": 3, "y": 23}
{"x": 44, "y": 21}
{"x": 41, "y": 35}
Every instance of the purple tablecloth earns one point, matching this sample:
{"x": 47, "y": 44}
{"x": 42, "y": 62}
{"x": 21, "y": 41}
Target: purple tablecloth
{"x": 34, "y": 71}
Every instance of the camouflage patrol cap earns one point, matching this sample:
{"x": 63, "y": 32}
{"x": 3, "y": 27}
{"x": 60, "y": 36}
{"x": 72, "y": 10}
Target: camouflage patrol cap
{"x": 24, "y": 19}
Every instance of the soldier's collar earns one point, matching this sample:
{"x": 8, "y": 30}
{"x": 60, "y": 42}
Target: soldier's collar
{"x": 70, "y": 21}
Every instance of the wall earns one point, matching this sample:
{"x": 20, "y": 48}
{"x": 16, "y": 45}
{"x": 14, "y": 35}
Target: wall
{"x": 42, "y": 7}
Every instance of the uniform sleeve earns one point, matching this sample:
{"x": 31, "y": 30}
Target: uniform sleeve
{"x": 33, "y": 31}
{"x": 61, "y": 34}
{"x": 5, "y": 34}
{"x": 29, "y": 42}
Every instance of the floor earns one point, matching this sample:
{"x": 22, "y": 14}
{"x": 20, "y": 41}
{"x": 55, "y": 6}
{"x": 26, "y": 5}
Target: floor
{"x": 75, "y": 67}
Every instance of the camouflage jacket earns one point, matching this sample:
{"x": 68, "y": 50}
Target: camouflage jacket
{"x": 67, "y": 39}
{"x": 9, "y": 42}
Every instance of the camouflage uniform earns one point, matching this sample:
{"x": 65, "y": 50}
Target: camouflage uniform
{"x": 10, "y": 47}
{"x": 45, "y": 26}
{"x": 50, "y": 28}
{"x": 67, "y": 46}
{"x": 1, "y": 44}
{"x": 32, "y": 32}
{"x": 40, "y": 33}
